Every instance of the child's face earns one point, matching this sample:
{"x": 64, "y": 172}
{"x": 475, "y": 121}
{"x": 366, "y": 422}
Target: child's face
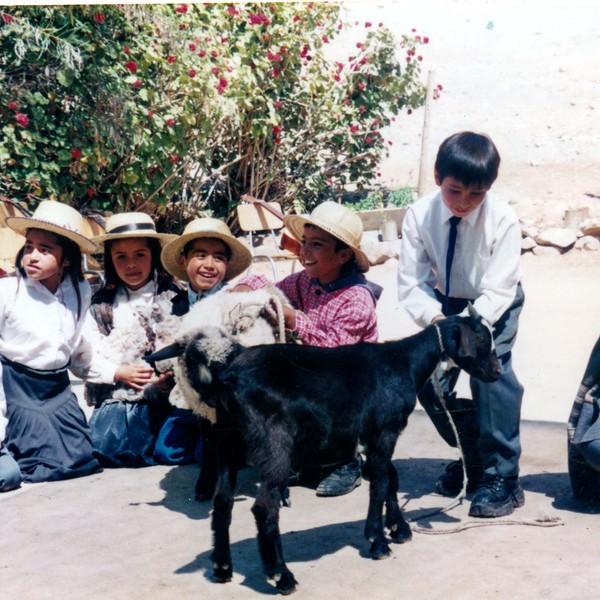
{"x": 132, "y": 259}
{"x": 319, "y": 257}
{"x": 459, "y": 198}
{"x": 43, "y": 258}
{"x": 205, "y": 263}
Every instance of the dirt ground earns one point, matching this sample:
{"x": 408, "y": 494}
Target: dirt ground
{"x": 526, "y": 72}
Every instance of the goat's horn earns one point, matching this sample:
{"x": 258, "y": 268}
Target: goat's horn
{"x": 472, "y": 312}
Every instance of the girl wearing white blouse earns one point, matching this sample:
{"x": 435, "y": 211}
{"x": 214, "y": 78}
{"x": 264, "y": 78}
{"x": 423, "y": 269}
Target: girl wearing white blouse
{"x": 43, "y": 431}
{"x": 129, "y": 315}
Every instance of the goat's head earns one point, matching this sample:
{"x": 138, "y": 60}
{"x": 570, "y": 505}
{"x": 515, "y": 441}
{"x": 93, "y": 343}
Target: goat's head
{"x": 469, "y": 342}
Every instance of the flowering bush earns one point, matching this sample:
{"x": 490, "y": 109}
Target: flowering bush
{"x": 128, "y": 107}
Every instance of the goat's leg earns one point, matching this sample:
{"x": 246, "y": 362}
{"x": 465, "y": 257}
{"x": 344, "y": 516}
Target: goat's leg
{"x": 222, "y": 508}
{"x": 266, "y": 514}
{"x": 400, "y": 531}
{"x": 378, "y": 491}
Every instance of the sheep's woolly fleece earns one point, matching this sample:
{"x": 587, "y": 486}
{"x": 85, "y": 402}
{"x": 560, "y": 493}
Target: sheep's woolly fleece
{"x": 245, "y": 318}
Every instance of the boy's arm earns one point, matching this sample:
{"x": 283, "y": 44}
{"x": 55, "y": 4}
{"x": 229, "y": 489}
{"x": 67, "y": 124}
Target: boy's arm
{"x": 502, "y": 275}
{"x": 416, "y": 278}
{"x": 351, "y": 321}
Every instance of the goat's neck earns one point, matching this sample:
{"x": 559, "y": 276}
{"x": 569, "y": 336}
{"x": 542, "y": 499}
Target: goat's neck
{"x": 428, "y": 351}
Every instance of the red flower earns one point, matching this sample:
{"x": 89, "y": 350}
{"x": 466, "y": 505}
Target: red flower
{"x": 150, "y": 114}
{"x": 8, "y": 19}
{"x": 214, "y": 53}
{"x": 309, "y": 5}
{"x": 325, "y": 39}
{"x": 13, "y": 105}
{"x": 171, "y": 59}
{"x": 223, "y": 82}
{"x": 296, "y": 19}
{"x": 174, "y": 158}
{"x": 181, "y": 9}
{"x": 22, "y": 120}
{"x": 192, "y": 47}
{"x": 99, "y": 18}
{"x": 354, "y": 129}
{"x": 361, "y": 108}
{"x": 259, "y": 19}
{"x": 368, "y": 24}
{"x": 273, "y": 57}
{"x": 76, "y": 154}
{"x": 131, "y": 66}
{"x": 362, "y": 85}
{"x": 202, "y": 53}
{"x": 192, "y": 73}
{"x": 277, "y": 104}
{"x": 426, "y": 40}
{"x": 126, "y": 49}
{"x": 90, "y": 192}
{"x": 277, "y": 140}
{"x": 347, "y": 102}
{"x": 277, "y": 129}
{"x": 215, "y": 70}
{"x": 304, "y": 51}
{"x": 276, "y": 73}
{"x": 136, "y": 84}
{"x": 170, "y": 122}
{"x": 232, "y": 11}
{"x": 337, "y": 78}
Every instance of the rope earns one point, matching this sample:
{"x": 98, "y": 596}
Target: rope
{"x": 543, "y": 521}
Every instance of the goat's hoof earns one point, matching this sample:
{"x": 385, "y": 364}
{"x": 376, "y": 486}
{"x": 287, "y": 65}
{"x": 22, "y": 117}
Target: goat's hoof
{"x": 285, "y": 583}
{"x": 223, "y": 574}
{"x": 379, "y": 550}
{"x": 402, "y": 534}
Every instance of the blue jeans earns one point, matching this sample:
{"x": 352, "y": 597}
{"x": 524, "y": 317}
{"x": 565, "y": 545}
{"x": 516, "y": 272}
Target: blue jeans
{"x": 179, "y": 441}
{"x": 10, "y": 474}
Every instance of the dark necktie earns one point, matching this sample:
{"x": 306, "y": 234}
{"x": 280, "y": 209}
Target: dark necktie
{"x": 449, "y": 257}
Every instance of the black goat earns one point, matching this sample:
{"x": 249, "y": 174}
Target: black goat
{"x": 301, "y": 406}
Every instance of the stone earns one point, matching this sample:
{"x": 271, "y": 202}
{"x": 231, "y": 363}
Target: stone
{"x": 561, "y": 237}
{"x": 588, "y": 242}
{"x": 528, "y": 243}
{"x": 381, "y": 252}
{"x": 530, "y": 230}
{"x": 546, "y": 251}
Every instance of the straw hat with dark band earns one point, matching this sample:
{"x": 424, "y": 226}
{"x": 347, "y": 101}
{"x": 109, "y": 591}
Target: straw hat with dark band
{"x": 57, "y": 218}
{"x": 132, "y": 225}
{"x": 206, "y": 228}
{"x": 337, "y": 220}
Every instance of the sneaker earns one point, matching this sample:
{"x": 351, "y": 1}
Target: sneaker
{"x": 450, "y": 482}
{"x": 343, "y": 480}
{"x": 496, "y": 496}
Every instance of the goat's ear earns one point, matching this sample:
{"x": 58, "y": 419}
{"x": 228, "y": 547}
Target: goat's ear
{"x": 171, "y": 351}
{"x": 472, "y": 311}
{"x": 467, "y": 344}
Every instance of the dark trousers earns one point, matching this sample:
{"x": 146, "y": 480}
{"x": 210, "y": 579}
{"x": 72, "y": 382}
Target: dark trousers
{"x": 489, "y": 430}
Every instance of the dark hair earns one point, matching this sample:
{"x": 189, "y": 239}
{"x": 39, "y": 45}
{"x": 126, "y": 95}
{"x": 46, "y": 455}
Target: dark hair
{"x": 471, "y": 158}
{"x": 111, "y": 278}
{"x": 189, "y": 245}
{"x": 70, "y": 251}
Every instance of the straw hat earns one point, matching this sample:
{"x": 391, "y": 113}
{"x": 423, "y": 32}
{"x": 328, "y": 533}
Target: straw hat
{"x": 337, "y": 220}
{"x": 132, "y": 225}
{"x": 206, "y": 228}
{"x": 58, "y": 218}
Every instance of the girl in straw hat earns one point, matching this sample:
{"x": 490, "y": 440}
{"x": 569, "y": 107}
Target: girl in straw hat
{"x": 45, "y": 436}
{"x": 206, "y": 256}
{"x": 129, "y": 315}
{"x": 333, "y": 303}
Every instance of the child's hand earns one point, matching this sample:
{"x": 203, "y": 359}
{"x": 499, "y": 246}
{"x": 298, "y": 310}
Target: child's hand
{"x": 165, "y": 381}
{"x": 135, "y": 376}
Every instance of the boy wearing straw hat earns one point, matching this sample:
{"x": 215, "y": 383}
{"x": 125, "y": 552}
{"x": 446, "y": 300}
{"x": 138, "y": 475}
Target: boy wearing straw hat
{"x": 333, "y": 303}
{"x": 206, "y": 256}
{"x": 44, "y": 435}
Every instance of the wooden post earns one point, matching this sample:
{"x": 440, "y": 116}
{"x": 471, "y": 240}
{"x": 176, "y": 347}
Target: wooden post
{"x": 424, "y": 166}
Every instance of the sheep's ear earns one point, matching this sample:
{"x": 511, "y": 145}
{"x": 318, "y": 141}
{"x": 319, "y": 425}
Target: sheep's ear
{"x": 171, "y": 351}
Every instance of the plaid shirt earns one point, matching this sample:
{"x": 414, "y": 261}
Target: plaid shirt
{"x": 326, "y": 318}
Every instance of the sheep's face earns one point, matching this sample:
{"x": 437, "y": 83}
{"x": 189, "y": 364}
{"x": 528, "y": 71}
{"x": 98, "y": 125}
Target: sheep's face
{"x": 476, "y": 350}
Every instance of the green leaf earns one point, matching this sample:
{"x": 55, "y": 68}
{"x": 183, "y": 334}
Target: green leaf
{"x": 65, "y": 78}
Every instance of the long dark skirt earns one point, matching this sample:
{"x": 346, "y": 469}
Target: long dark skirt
{"x": 124, "y": 433}
{"x": 47, "y": 433}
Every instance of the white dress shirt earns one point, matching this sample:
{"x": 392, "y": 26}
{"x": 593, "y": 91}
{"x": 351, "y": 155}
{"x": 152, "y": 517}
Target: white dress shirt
{"x": 39, "y": 329}
{"x": 486, "y": 266}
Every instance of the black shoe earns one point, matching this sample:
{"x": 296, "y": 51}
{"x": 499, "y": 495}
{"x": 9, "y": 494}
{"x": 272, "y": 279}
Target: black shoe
{"x": 450, "y": 483}
{"x": 343, "y": 480}
{"x": 496, "y": 496}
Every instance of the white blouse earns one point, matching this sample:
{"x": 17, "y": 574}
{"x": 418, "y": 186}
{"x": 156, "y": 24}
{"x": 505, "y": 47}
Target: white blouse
{"x": 39, "y": 329}
{"x": 134, "y": 311}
